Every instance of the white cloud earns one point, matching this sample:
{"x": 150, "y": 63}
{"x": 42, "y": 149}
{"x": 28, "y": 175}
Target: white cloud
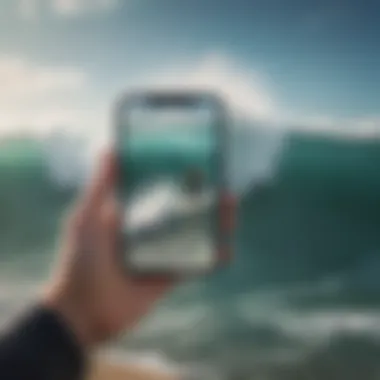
{"x": 32, "y": 9}
{"x": 242, "y": 89}
{"x": 354, "y": 127}
{"x": 20, "y": 79}
{"x": 248, "y": 93}
{"x": 29, "y": 8}
{"x": 42, "y": 120}
{"x": 78, "y": 7}
{"x": 36, "y": 98}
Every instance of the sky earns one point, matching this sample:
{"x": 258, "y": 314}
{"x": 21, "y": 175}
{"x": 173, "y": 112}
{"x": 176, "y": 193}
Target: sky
{"x": 311, "y": 64}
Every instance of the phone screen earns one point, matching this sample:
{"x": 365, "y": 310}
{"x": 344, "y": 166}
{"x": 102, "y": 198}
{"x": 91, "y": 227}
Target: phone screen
{"x": 170, "y": 181}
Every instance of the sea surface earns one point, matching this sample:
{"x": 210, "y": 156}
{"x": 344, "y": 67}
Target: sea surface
{"x": 301, "y": 297}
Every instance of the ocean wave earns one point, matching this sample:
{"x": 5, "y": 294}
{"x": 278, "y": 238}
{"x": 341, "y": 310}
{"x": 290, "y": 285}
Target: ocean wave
{"x": 253, "y": 156}
{"x": 304, "y": 280}
{"x": 70, "y": 162}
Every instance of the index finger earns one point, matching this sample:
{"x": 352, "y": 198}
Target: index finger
{"x": 102, "y": 184}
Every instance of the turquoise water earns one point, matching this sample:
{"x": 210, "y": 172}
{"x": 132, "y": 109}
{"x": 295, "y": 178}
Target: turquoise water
{"x": 147, "y": 158}
{"x": 304, "y": 284}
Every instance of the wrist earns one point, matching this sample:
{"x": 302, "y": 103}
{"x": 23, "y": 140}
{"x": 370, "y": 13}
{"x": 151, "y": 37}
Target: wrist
{"x": 71, "y": 315}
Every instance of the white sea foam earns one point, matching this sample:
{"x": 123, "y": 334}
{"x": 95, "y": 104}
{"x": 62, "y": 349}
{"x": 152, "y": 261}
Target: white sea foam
{"x": 252, "y": 160}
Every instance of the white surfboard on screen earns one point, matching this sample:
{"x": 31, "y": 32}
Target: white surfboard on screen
{"x": 162, "y": 203}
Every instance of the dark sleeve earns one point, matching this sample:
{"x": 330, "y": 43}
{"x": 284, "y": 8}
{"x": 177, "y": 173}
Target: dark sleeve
{"x": 40, "y": 347}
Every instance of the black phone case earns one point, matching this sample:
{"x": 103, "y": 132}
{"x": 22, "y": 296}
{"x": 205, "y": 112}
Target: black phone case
{"x": 225, "y": 210}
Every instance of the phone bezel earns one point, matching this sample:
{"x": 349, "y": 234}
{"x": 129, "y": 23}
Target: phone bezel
{"x": 222, "y": 238}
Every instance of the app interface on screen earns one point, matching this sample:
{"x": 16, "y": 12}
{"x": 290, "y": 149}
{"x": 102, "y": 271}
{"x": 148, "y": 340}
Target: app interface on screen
{"x": 169, "y": 162}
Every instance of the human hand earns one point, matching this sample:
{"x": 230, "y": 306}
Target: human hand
{"x": 90, "y": 288}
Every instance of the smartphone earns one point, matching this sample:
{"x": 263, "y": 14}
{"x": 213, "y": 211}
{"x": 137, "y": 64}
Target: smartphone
{"x": 178, "y": 213}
